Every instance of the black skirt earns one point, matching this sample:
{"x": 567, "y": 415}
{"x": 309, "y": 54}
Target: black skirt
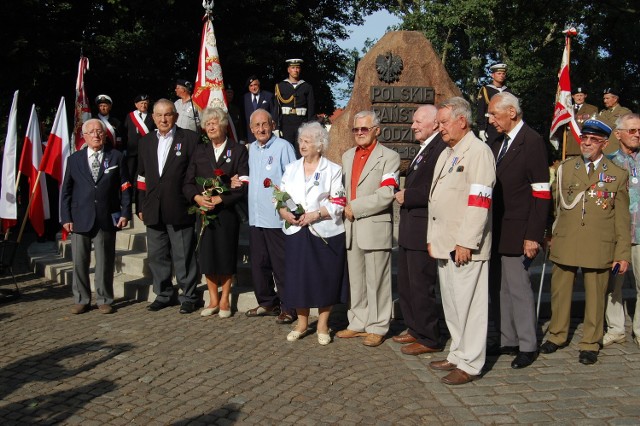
{"x": 315, "y": 273}
{"x": 218, "y": 250}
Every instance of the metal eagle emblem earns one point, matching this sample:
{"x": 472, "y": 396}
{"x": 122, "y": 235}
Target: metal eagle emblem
{"x": 389, "y": 67}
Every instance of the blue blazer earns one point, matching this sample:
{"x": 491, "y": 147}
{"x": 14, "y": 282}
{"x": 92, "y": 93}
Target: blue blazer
{"x": 265, "y": 101}
{"x": 86, "y": 203}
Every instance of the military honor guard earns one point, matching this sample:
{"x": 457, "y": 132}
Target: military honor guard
{"x": 591, "y": 232}
{"x": 486, "y": 131}
{"x": 295, "y": 103}
{"x": 582, "y": 111}
{"x": 138, "y": 123}
{"x": 611, "y": 112}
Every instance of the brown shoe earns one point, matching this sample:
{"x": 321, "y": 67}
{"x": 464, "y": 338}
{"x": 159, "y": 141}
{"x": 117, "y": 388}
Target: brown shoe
{"x": 261, "y": 311}
{"x": 105, "y": 309}
{"x": 348, "y": 334}
{"x": 417, "y": 349}
{"x": 443, "y": 365}
{"x": 404, "y": 338}
{"x": 373, "y": 340}
{"x": 79, "y": 308}
{"x": 458, "y": 377}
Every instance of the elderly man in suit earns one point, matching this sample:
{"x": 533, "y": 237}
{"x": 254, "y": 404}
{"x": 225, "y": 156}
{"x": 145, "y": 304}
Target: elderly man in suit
{"x": 591, "y": 232}
{"x": 254, "y": 99}
{"x": 115, "y": 131}
{"x": 417, "y": 271}
{"x": 371, "y": 175}
{"x": 95, "y": 203}
{"x": 163, "y": 158}
{"x": 459, "y": 236}
{"x": 521, "y": 202}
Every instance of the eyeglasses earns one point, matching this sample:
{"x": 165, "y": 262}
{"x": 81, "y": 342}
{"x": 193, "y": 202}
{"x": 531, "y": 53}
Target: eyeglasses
{"x": 630, "y": 131}
{"x": 97, "y": 133}
{"x": 363, "y": 130}
{"x": 591, "y": 139}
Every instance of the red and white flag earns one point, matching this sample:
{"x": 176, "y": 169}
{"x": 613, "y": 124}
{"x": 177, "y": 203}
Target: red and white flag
{"x": 563, "y": 111}
{"x": 54, "y": 160}
{"x": 209, "y": 88}
{"x": 8, "y": 206}
{"x": 82, "y": 110}
{"x": 29, "y": 164}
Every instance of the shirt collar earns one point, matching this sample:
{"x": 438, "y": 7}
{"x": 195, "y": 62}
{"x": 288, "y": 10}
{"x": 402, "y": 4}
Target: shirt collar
{"x": 369, "y": 148}
{"x": 170, "y": 133}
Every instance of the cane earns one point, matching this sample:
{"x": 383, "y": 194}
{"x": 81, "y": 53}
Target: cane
{"x": 544, "y": 267}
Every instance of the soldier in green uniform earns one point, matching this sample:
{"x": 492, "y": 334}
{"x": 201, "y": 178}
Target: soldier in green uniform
{"x": 582, "y": 111}
{"x": 612, "y": 110}
{"x": 591, "y": 232}
{"x": 295, "y": 103}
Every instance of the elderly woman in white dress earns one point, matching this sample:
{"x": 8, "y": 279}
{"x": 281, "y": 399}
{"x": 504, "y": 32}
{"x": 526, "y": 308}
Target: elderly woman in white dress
{"x": 315, "y": 242}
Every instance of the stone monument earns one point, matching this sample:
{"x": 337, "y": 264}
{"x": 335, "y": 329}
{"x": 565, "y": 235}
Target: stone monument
{"x": 400, "y": 73}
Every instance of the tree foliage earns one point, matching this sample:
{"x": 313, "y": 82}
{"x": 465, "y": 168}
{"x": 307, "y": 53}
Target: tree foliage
{"x": 469, "y": 35}
{"x": 144, "y": 45}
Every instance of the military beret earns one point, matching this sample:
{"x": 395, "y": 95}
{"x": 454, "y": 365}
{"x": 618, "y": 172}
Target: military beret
{"x": 498, "y": 67}
{"x": 611, "y": 90}
{"x": 251, "y": 79}
{"x": 185, "y": 83}
{"x": 140, "y": 98}
{"x": 294, "y": 62}
{"x": 104, "y": 99}
{"x": 596, "y": 127}
{"x": 579, "y": 89}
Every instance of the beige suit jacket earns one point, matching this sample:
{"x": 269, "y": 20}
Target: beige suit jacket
{"x": 372, "y": 207}
{"x": 460, "y": 200}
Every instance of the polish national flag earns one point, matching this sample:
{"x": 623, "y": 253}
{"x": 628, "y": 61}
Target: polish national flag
{"x": 8, "y": 206}
{"x": 54, "y": 160}
{"x": 29, "y": 164}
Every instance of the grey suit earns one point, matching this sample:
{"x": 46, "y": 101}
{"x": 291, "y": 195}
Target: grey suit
{"x": 369, "y": 239}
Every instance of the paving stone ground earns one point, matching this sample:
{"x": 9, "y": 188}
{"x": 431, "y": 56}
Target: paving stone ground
{"x": 140, "y": 367}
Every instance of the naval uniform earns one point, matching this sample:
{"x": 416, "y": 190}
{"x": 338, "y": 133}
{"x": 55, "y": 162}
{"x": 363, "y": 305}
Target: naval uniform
{"x": 482, "y": 117}
{"x": 296, "y": 105}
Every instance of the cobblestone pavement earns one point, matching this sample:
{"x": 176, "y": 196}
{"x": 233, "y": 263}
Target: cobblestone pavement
{"x": 148, "y": 368}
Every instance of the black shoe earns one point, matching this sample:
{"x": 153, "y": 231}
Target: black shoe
{"x": 548, "y": 347}
{"x": 156, "y": 306}
{"x": 588, "y": 357}
{"x": 496, "y": 350}
{"x": 187, "y": 307}
{"x": 524, "y": 359}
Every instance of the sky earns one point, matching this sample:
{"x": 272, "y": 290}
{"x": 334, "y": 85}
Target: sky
{"x": 374, "y": 27}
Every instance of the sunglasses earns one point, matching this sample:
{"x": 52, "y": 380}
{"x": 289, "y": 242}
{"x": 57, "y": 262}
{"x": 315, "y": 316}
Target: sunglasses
{"x": 363, "y": 130}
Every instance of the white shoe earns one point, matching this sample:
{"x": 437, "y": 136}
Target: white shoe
{"x": 207, "y": 312}
{"x": 610, "y": 339}
{"x": 324, "y": 339}
{"x": 224, "y": 314}
{"x": 295, "y": 335}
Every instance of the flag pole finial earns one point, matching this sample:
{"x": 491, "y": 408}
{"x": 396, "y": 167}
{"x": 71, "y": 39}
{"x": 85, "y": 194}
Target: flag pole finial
{"x": 208, "y": 6}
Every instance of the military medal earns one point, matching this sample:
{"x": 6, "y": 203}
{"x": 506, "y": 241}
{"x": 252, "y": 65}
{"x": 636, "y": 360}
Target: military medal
{"x": 599, "y": 201}
{"x": 453, "y": 163}
{"x": 634, "y": 175}
{"x": 316, "y": 177}
{"x": 228, "y": 156}
{"x": 591, "y": 193}
{"x": 269, "y": 161}
{"x": 600, "y": 184}
{"x": 178, "y": 148}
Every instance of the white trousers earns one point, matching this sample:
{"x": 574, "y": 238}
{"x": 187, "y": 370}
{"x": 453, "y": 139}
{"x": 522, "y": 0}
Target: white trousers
{"x": 615, "y": 311}
{"x": 465, "y": 300}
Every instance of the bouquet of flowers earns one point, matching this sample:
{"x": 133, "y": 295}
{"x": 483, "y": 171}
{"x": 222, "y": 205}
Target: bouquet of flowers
{"x": 283, "y": 199}
{"x": 212, "y": 186}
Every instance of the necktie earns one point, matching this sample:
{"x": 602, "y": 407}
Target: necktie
{"x": 255, "y": 102}
{"x": 590, "y": 169}
{"x": 503, "y": 149}
{"x": 140, "y": 114}
{"x": 95, "y": 167}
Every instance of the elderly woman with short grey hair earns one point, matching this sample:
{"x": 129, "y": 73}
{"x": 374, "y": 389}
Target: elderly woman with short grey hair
{"x": 315, "y": 241}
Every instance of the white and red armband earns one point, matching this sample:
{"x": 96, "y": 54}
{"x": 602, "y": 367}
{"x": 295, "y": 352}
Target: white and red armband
{"x": 480, "y": 196}
{"x": 141, "y": 183}
{"x": 125, "y": 186}
{"x": 390, "y": 179}
{"x": 541, "y": 190}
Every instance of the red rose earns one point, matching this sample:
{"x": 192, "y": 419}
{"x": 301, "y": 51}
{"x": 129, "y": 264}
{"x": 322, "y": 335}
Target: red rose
{"x": 218, "y": 172}
{"x": 267, "y": 183}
